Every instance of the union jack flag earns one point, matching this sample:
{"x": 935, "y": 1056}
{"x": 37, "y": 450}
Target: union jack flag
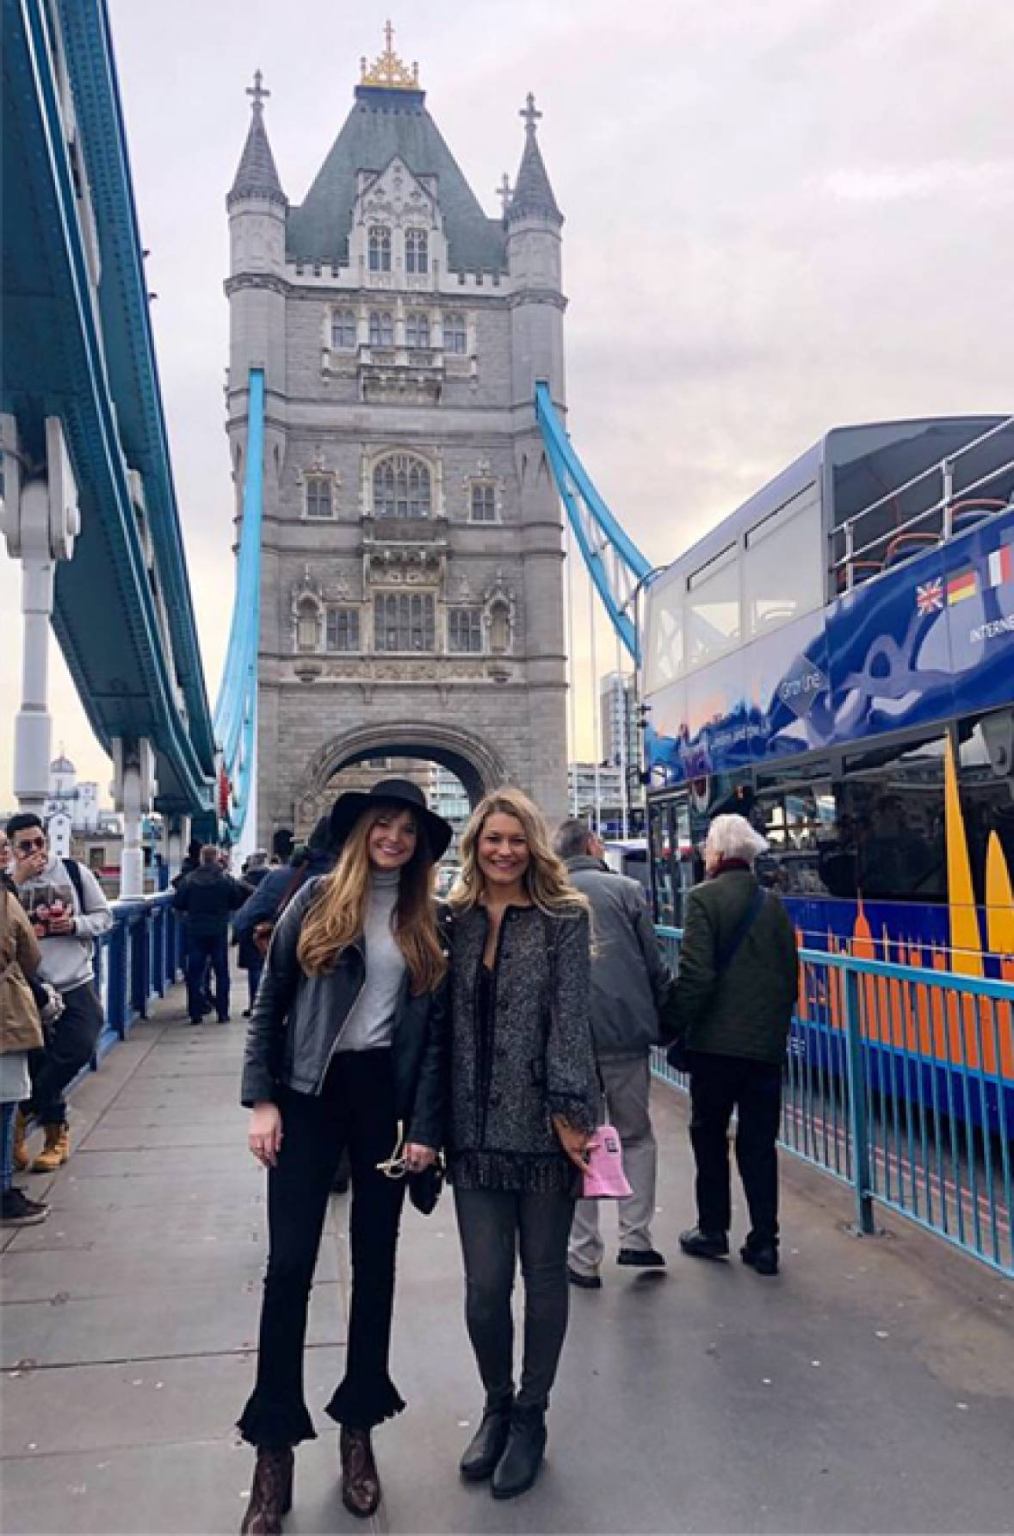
{"x": 929, "y": 598}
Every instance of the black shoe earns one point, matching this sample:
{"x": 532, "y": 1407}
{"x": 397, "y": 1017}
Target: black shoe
{"x": 16, "y": 1210}
{"x": 641, "y": 1258}
{"x": 523, "y": 1455}
{"x": 223, "y": 1018}
{"x": 246, "y": 1013}
{"x": 198, "y": 1021}
{"x": 584, "y": 1282}
{"x": 763, "y": 1257}
{"x": 704, "y": 1245}
{"x": 487, "y": 1445}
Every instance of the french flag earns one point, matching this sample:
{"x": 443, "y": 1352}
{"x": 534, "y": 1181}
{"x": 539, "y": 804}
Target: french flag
{"x": 1001, "y": 566}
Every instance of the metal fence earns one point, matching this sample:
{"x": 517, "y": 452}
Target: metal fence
{"x": 140, "y": 956}
{"x": 900, "y": 1082}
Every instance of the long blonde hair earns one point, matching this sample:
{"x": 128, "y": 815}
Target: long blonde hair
{"x": 335, "y": 918}
{"x": 546, "y": 880}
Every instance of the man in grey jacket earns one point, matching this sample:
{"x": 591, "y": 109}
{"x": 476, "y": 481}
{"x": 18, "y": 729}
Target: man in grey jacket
{"x": 629, "y": 984}
{"x": 68, "y": 912}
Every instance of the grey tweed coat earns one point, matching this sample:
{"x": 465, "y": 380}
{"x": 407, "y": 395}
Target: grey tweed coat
{"x": 539, "y": 1059}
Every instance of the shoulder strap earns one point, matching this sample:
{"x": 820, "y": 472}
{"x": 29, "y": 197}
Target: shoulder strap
{"x": 296, "y": 879}
{"x": 727, "y": 953}
{"x": 73, "y": 869}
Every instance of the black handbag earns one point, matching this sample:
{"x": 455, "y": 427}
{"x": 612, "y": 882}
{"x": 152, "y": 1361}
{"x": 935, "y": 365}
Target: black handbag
{"x": 677, "y": 1055}
{"x": 424, "y": 1188}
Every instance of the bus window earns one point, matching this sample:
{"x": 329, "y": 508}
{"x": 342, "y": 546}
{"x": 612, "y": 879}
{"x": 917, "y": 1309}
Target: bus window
{"x": 895, "y": 799}
{"x": 713, "y": 607}
{"x": 783, "y": 572}
{"x": 802, "y": 831}
{"x": 986, "y": 786}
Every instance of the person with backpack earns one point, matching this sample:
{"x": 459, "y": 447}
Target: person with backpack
{"x": 67, "y": 912}
{"x": 732, "y": 1006}
{"x": 208, "y": 896}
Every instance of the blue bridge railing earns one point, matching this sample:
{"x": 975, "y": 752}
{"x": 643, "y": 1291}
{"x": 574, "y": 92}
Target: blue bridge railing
{"x": 900, "y": 1082}
{"x": 140, "y": 956}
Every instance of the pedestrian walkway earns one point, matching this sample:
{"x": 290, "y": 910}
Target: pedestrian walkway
{"x": 869, "y": 1388}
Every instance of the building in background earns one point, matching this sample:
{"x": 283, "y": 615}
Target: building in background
{"x": 412, "y": 601}
{"x": 75, "y": 822}
{"x": 620, "y": 742}
{"x": 596, "y": 794}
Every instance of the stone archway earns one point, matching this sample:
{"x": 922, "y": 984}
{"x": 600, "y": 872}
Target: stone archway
{"x": 479, "y": 767}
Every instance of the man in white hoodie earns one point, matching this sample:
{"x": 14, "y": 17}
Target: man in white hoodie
{"x": 68, "y": 912}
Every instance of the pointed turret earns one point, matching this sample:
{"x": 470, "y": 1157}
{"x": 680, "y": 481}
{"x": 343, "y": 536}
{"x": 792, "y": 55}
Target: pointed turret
{"x": 533, "y": 195}
{"x": 256, "y": 175}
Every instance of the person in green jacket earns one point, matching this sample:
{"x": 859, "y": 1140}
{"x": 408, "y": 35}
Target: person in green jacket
{"x": 735, "y": 992}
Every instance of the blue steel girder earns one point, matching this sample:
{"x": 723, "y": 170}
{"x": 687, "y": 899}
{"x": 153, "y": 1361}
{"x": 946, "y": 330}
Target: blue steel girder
{"x": 616, "y": 565}
{"x": 132, "y": 369}
{"x": 236, "y": 707}
{"x": 55, "y": 363}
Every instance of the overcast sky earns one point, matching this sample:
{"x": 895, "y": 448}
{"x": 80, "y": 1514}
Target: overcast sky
{"x": 782, "y": 215}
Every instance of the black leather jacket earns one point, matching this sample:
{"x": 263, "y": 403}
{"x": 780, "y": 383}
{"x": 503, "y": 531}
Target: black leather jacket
{"x": 297, "y": 1019}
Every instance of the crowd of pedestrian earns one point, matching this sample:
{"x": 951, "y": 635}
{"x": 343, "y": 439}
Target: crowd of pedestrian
{"x": 500, "y": 1040}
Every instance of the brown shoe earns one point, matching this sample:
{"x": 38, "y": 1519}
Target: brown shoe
{"x": 360, "y": 1481}
{"x": 271, "y": 1494}
{"x": 56, "y": 1151}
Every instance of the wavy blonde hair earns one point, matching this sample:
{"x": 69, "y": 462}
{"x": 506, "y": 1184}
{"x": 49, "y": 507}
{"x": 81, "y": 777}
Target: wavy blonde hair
{"x": 335, "y": 918}
{"x": 546, "y": 880}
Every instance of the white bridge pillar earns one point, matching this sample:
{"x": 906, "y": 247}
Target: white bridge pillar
{"x": 133, "y": 796}
{"x": 40, "y": 522}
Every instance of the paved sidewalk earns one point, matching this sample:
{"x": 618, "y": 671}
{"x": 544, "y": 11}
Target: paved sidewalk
{"x": 869, "y": 1388}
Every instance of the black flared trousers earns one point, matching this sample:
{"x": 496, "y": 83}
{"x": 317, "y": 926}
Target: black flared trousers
{"x": 356, "y": 1109}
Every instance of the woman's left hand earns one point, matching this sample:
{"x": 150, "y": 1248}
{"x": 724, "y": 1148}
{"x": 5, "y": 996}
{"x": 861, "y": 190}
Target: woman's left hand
{"x": 573, "y": 1142}
{"x": 418, "y": 1157}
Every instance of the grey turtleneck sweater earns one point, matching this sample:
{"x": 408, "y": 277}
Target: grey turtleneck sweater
{"x": 370, "y": 1025}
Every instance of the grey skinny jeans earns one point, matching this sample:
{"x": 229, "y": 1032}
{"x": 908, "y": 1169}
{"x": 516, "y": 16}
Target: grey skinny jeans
{"x": 493, "y": 1225}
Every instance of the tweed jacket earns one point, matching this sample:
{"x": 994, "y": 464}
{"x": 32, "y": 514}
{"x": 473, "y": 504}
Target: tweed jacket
{"x": 540, "y": 1056}
{"x": 20, "y": 1026}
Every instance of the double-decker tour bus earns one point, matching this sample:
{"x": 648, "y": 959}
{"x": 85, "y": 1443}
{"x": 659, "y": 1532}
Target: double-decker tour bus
{"x": 835, "y": 660}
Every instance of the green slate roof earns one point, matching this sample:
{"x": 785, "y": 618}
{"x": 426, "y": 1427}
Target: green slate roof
{"x": 384, "y": 123}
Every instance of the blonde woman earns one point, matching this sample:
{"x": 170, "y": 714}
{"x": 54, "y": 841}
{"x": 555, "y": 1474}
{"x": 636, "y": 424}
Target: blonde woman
{"x": 523, "y": 1105}
{"x": 345, "y": 1049}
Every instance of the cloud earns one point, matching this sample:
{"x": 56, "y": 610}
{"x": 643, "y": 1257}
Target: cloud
{"x": 985, "y": 180}
{"x": 780, "y": 218}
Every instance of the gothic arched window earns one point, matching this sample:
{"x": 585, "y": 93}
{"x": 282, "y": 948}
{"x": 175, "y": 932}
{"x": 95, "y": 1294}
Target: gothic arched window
{"x": 417, "y": 329}
{"x": 381, "y": 328}
{"x": 307, "y": 624}
{"x": 379, "y": 247}
{"x": 455, "y": 335}
{"x": 343, "y": 329}
{"x": 401, "y": 487}
{"x": 403, "y": 621}
{"x": 319, "y": 497}
{"x": 416, "y": 251}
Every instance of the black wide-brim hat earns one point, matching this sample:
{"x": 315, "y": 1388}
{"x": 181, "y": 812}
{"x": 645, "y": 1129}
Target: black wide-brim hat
{"x": 407, "y": 796}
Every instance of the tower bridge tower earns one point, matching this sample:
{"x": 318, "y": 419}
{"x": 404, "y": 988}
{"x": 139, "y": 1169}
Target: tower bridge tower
{"x": 411, "y": 552}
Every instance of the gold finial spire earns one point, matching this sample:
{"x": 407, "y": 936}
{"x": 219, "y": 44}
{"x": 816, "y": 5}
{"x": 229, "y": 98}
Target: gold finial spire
{"x": 388, "y": 72}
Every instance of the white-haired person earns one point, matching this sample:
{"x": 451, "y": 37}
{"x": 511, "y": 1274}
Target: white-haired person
{"x": 734, "y": 996}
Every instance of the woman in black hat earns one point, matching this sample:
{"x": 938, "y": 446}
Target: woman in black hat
{"x": 344, "y": 1048}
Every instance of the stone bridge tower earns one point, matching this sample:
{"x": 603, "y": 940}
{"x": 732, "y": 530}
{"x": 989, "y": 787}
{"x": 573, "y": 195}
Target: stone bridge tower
{"x": 411, "y": 569}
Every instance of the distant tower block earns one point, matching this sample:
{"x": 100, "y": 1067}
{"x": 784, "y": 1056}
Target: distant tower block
{"x": 411, "y": 565}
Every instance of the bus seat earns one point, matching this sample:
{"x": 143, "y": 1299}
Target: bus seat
{"x": 904, "y": 545}
{"x": 967, "y": 514}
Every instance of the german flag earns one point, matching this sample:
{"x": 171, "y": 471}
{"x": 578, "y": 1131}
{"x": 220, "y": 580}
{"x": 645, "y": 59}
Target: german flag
{"x": 965, "y": 584}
